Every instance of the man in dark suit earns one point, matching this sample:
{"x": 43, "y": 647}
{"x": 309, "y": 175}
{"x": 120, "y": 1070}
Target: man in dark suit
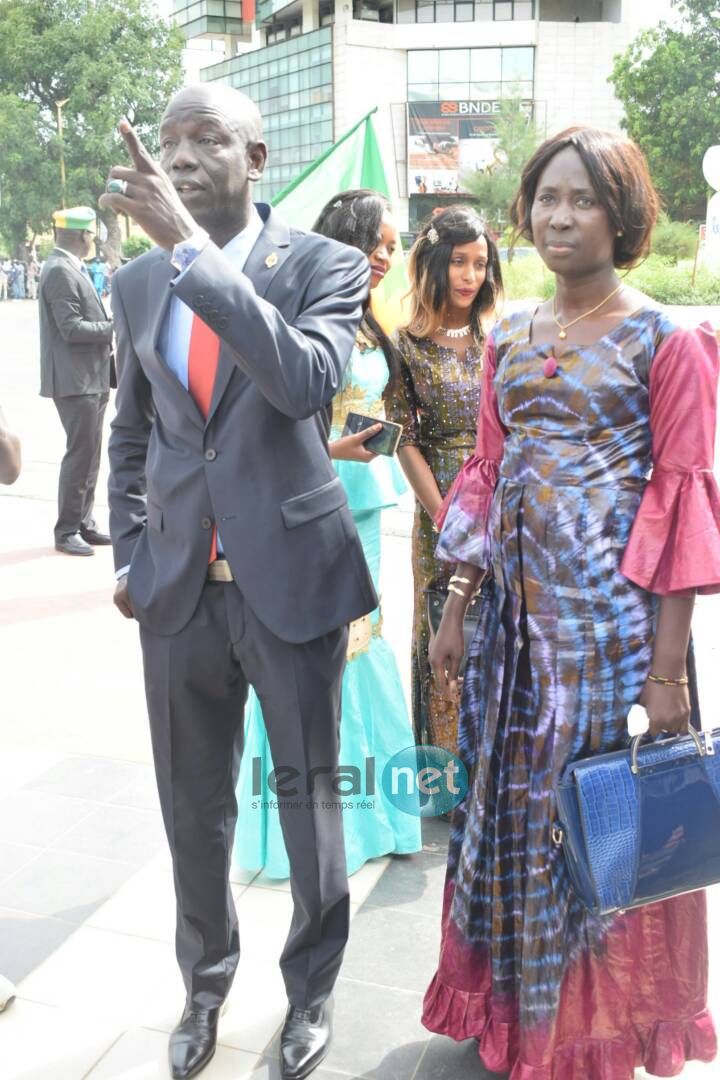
{"x": 235, "y": 548}
{"x": 75, "y": 349}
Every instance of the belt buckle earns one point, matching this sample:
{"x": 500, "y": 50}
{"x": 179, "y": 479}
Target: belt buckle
{"x": 219, "y": 570}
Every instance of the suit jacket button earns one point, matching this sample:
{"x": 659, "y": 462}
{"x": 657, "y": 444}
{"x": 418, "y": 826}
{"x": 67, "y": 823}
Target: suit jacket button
{"x": 206, "y": 522}
{"x": 210, "y": 455}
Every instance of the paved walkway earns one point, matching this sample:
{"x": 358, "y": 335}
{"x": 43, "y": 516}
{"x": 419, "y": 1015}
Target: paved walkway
{"x": 86, "y": 905}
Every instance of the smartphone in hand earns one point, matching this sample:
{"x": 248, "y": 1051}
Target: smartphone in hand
{"x": 385, "y": 442}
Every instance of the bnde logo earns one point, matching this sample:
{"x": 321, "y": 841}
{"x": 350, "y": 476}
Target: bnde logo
{"x": 469, "y": 108}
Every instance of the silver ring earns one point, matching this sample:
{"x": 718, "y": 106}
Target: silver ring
{"x": 117, "y": 187}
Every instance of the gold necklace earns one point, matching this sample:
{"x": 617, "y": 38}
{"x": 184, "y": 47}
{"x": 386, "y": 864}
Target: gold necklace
{"x": 564, "y": 327}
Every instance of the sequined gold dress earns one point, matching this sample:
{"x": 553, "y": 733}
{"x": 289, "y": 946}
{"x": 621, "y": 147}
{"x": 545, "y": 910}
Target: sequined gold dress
{"x": 437, "y": 404}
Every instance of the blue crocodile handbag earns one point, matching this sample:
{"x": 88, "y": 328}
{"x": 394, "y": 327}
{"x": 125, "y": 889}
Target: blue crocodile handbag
{"x": 642, "y": 824}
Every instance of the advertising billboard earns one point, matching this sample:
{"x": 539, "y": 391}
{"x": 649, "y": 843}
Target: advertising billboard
{"x": 448, "y": 141}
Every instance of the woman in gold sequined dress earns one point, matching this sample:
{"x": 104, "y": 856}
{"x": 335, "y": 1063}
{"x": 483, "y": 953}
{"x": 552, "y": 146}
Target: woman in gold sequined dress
{"x": 456, "y": 281}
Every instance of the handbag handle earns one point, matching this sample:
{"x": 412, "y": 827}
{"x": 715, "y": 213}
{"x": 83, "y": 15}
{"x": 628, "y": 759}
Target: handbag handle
{"x": 635, "y": 748}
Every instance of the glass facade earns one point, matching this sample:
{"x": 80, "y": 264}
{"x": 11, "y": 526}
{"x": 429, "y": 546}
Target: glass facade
{"x": 197, "y": 18}
{"x": 470, "y": 74}
{"x": 435, "y": 11}
{"x": 291, "y": 82}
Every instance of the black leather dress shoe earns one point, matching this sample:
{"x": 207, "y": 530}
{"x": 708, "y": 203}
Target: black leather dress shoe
{"x": 97, "y": 539}
{"x": 192, "y": 1043}
{"x": 305, "y": 1040}
{"x": 73, "y": 545}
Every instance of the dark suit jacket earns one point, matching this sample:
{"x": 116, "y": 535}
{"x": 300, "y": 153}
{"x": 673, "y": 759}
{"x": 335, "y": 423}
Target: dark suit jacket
{"x": 75, "y": 332}
{"x": 259, "y": 466}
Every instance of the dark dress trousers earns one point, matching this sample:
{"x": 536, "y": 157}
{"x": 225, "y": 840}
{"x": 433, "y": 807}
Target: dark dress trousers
{"x": 75, "y": 348}
{"x": 259, "y": 469}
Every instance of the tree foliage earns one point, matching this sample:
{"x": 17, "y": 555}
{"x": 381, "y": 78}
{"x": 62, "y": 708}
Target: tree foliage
{"x": 517, "y": 140}
{"x": 668, "y": 80}
{"x": 134, "y": 246}
{"x": 28, "y": 175}
{"x": 104, "y": 58}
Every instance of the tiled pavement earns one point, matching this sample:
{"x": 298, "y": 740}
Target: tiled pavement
{"x": 86, "y": 923}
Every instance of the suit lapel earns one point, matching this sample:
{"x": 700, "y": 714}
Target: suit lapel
{"x": 268, "y": 255}
{"x": 269, "y": 252}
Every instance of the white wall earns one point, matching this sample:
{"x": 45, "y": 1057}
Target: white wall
{"x": 572, "y": 65}
{"x": 367, "y": 71}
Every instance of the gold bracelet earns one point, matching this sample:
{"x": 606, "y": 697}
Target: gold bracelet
{"x": 463, "y": 580}
{"x": 682, "y": 681}
{"x": 458, "y": 592}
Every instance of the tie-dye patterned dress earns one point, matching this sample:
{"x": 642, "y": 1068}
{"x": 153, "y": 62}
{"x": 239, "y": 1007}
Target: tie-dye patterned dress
{"x": 556, "y": 499}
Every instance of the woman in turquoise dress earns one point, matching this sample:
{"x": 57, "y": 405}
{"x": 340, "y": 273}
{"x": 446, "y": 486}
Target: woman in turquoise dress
{"x": 375, "y": 724}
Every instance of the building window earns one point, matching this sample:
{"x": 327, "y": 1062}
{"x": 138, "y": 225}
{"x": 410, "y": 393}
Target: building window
{"x": 279, "y": 31}
{"x": 373, "y": 10}
{"x": 472, "y": 74}
{"x": 291, "y": 82}
{"x": 423, "y": 65}
{"x": 187, "y": 11}
{"x": 426, "y": 11}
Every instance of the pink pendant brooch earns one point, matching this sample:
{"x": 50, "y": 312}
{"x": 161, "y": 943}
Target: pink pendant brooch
{"x": 550, "y": 367}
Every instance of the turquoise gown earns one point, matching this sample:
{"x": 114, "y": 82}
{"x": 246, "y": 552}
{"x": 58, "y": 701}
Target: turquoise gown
{"x": 375, "y": 721}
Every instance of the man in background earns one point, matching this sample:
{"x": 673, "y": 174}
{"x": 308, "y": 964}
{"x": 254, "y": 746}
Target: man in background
{"x": 75, "y": 358}
{"x": 98, "y": 273}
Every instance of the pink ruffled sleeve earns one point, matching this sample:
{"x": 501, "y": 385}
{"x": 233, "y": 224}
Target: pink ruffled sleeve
{"x": 674, "y": 545}
{"x": 463, "y": 516}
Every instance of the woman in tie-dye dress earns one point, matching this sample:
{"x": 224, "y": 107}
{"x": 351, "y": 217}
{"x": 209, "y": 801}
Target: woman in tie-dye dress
{"x": 596, "y": 568}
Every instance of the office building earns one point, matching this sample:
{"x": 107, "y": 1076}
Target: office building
{"x": 436, "y": 69}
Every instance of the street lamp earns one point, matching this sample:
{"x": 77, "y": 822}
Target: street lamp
{"x": 59, "y": 106}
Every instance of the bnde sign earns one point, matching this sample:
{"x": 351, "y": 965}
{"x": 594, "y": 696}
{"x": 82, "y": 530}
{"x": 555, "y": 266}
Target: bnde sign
{"x": 469, "y": 108}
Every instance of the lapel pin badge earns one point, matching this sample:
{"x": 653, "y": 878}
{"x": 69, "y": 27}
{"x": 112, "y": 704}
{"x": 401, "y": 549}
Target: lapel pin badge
{"x": 271, "y": 260}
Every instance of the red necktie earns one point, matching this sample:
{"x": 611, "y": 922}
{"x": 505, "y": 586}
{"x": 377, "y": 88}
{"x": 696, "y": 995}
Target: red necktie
{"x": 202, "y": 368}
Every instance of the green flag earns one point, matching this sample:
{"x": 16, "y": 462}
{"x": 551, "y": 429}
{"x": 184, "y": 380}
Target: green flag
{"x": 354, "y": 161}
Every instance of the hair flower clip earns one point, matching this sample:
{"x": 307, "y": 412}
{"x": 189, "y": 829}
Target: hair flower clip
{"x": 337, "y": 205}
{"x": 433, "y": 235}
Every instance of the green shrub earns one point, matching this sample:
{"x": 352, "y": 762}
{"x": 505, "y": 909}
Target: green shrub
{"x": 526, "y": 278}
{"x": 134, "y": 246}
{"x": 674, "y": 240}
{"x": 673, "y": 284}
